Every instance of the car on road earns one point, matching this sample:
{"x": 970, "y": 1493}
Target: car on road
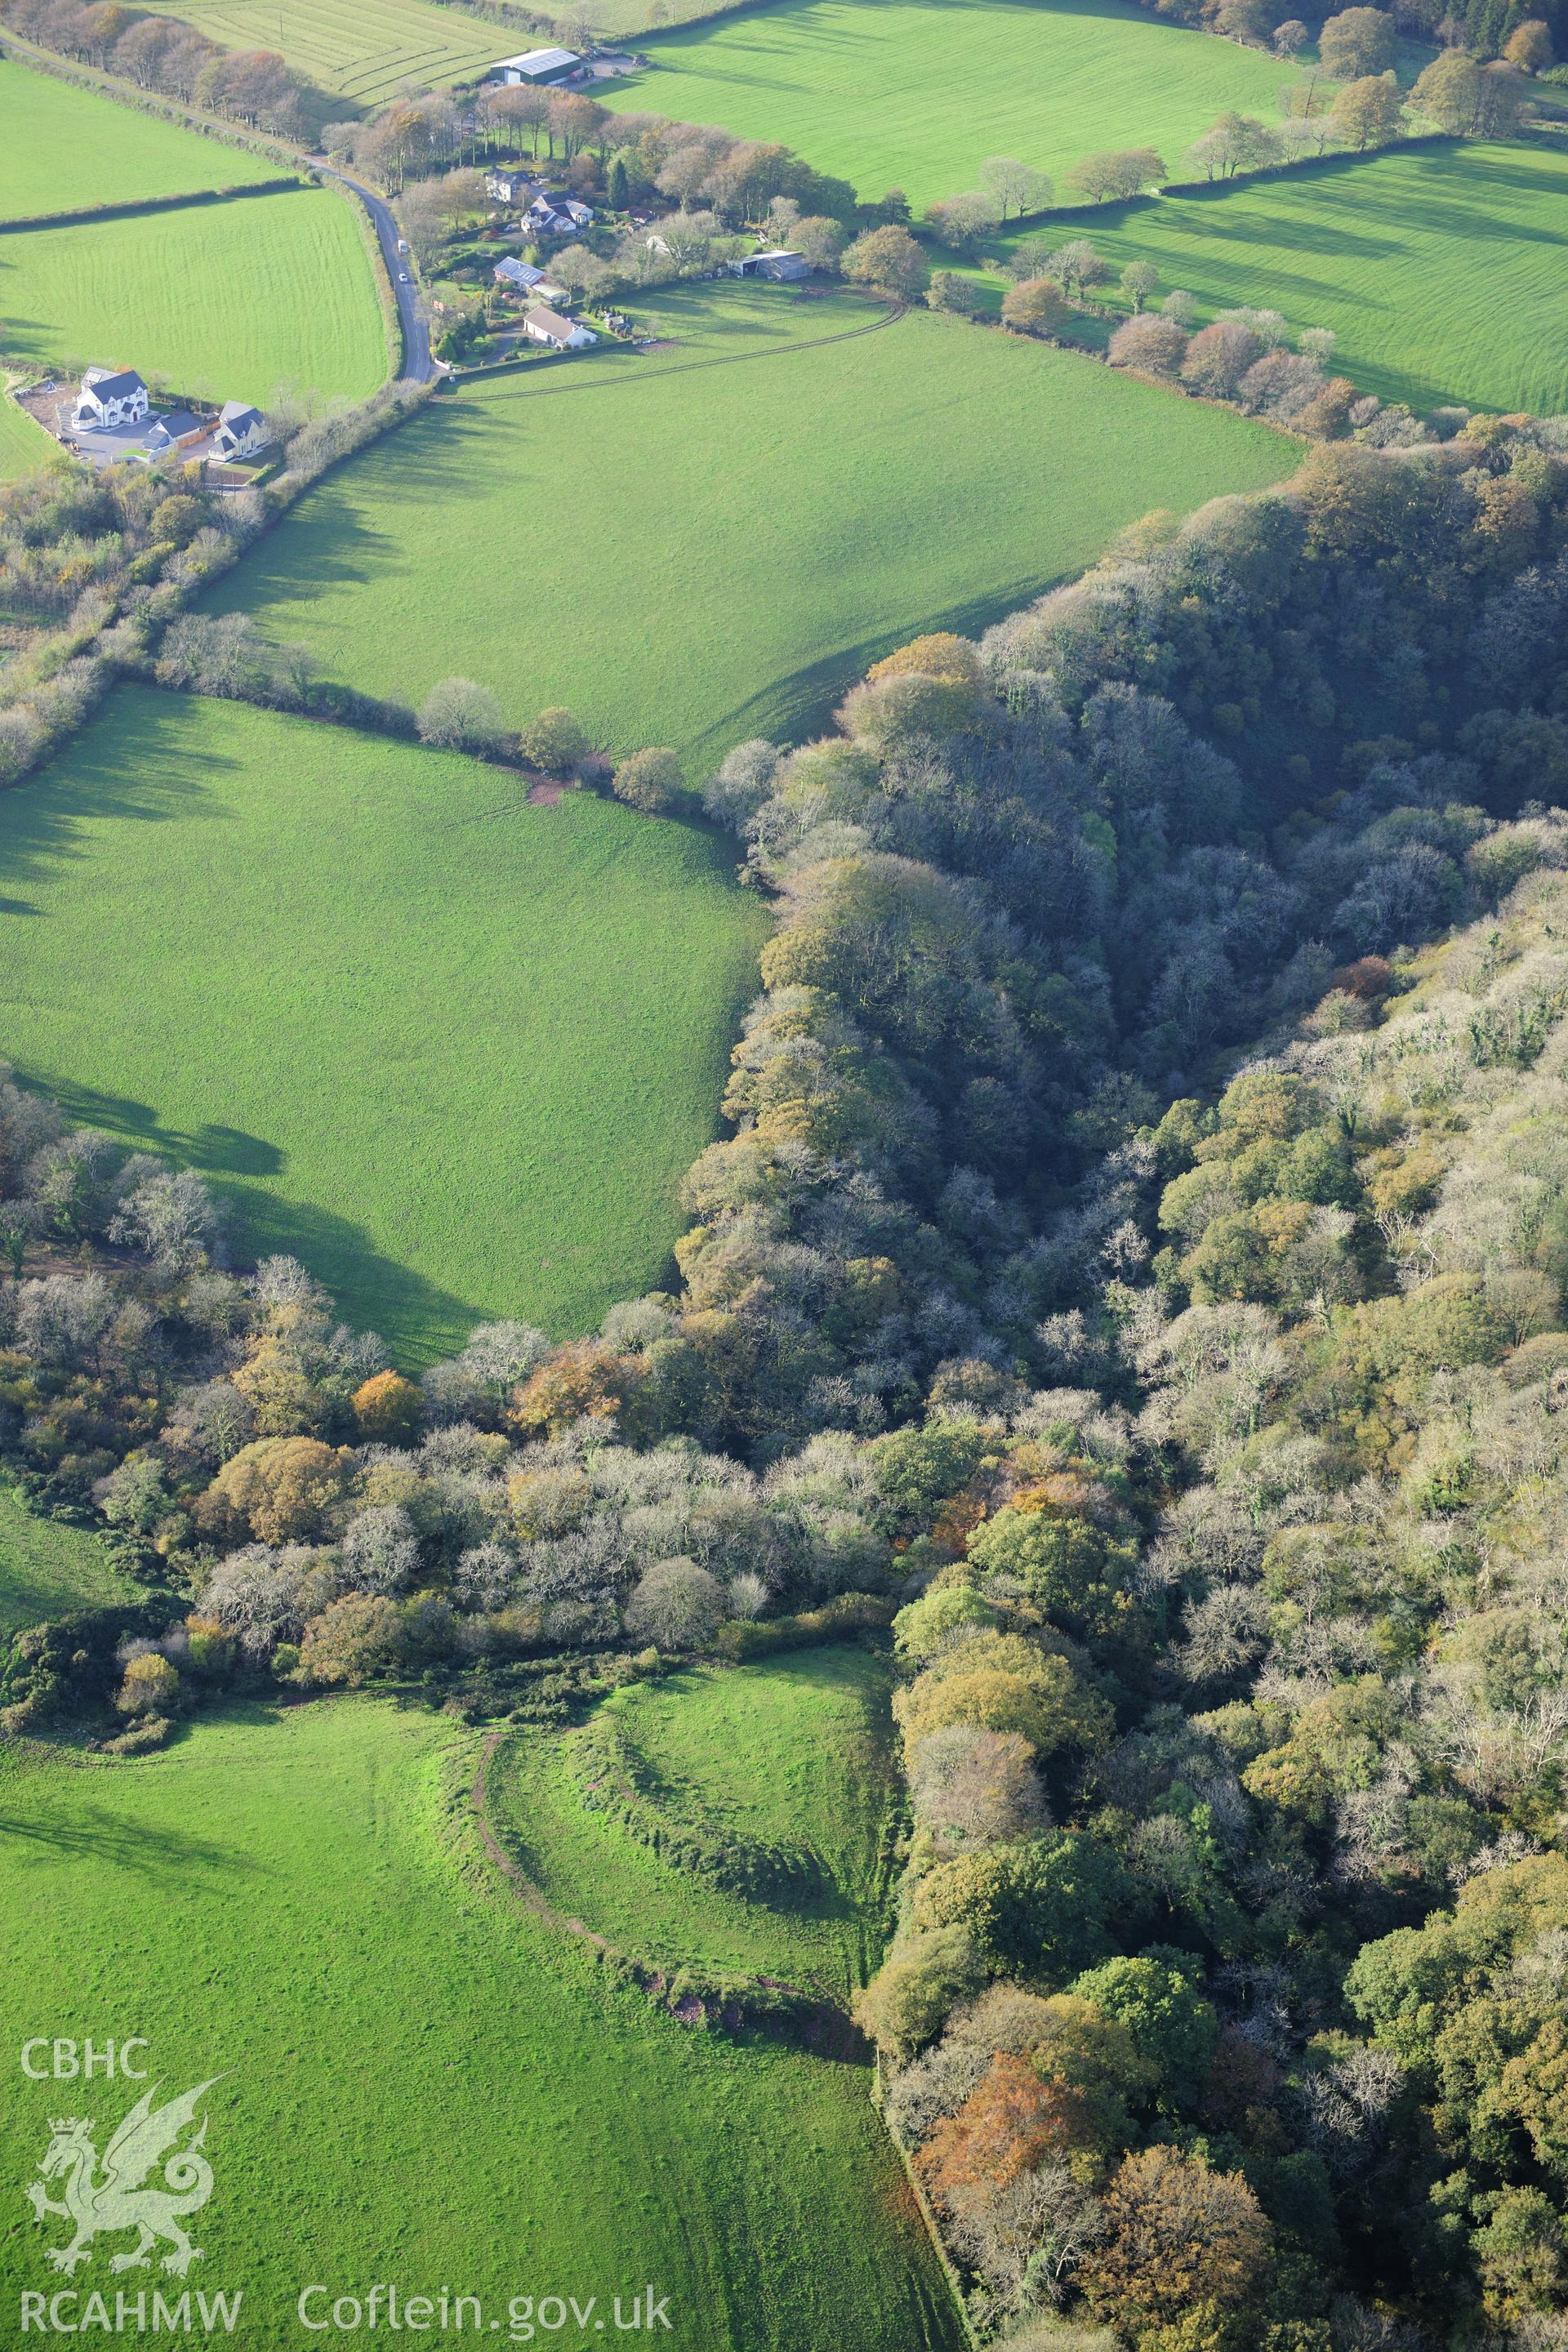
{"x": 403, "y": 278}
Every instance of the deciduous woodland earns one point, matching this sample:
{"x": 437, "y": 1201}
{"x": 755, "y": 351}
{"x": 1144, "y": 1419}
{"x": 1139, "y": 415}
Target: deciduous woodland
{"x": 1135, "y": 1265}
{"x": 783, "y": 1178}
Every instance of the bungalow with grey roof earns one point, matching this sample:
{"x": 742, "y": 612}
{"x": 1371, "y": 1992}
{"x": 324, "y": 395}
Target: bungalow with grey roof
{"x": 560, "y": 334}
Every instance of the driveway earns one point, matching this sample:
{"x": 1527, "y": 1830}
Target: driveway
{"x": 418, "y": 367}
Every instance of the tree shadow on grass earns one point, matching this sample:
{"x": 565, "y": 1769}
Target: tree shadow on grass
{"x": 799, "y": 705}
{"x": 95, "y": 1834}
{"x": 418, "y": 1320}
{"x": 329, "y": 541}
{"x": 139, "y": 770}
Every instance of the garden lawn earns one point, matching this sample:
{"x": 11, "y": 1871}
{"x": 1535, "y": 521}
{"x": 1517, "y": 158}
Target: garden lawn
{"x": 452, "y": 1050}
{"x": 1443, "y": 271}
{"x": 367, "y": 50}
{"x": 421, "y": 2084}
{"x": 796, "y": 1750}
{"x": 47, "y": 1567}
{"x": 62, "y": 147}
{"x": 916, "y": 94}
{"x": 692, "y": 555}
{"x": 229, "y": 302}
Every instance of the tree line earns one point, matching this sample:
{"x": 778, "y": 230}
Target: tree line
{"x": 1489, "y": 28}
{"x": 1348, "y": 102}
{"x": 253, "y": 87}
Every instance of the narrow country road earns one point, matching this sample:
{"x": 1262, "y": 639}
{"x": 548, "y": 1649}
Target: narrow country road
{"x": 418, "y": 367}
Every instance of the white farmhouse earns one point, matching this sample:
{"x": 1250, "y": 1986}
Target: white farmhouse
{"x": 560, "y": 334}
{"x": 507, "y": 185}
{"x": 110, "y": 396}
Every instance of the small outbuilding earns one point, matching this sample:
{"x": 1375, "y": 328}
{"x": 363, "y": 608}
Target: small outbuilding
{"x": 515, "y": 277}
{"x": 110, "y": 396}
{"x": 539, "y": 68}
{"x": 777, "y": 262}
{"x": 548, "y": 327}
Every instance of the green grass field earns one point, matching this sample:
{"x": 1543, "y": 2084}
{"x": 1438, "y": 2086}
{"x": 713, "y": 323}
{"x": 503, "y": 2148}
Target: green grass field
{"x": 452, "y": 1050}
{"x": 229, "y": 300}
{"x": 1443, "y": 271}
{"x": 916, "y": 93}
{"x": 421, "y": 2084}
{"x": 47, "y": 1568}
{"x": 369, "y": 51}
{"x": 61, "y": 148}
{"x": 796, "y": 1749}
{"x": 695, "y": 555}
{"x": 23, "y": 444}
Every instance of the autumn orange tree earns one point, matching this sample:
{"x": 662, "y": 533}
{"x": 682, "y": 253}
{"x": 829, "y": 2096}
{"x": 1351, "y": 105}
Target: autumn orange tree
{"x": 386, "y": 1409}
{"x": 1179, "y": 2234}
{"x": 1008, "y": 2124}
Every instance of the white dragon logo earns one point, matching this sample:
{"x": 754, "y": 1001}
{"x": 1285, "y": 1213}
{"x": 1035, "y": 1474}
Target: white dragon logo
{"x": 114, "y": 2196}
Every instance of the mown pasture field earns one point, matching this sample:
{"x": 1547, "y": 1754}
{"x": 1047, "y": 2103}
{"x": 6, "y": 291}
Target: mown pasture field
{"x": 48, "y": 1568}
{"x": 1443, "y": 271}
{"x": 228, "y": 300}
{"x": 62, "y": 147}
{"x": 916, "y": 93}
{"x": 796, "y": 1750}
{"x": 370, "y": 52}
{"x": 453, "y": 1050}
{"x": 695, "y": 554}
{"x": 421, "y": 2082}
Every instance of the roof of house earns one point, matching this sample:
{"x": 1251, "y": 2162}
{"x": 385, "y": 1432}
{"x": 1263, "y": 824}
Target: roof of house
{"x": 115, "y": 387}
{"x": 538, "y": 61}
{"x": 778, "y": 253}
{"x": 239, "y": 413}
{"x": 550, "y": 323}
{"x": 521, "y": 273}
